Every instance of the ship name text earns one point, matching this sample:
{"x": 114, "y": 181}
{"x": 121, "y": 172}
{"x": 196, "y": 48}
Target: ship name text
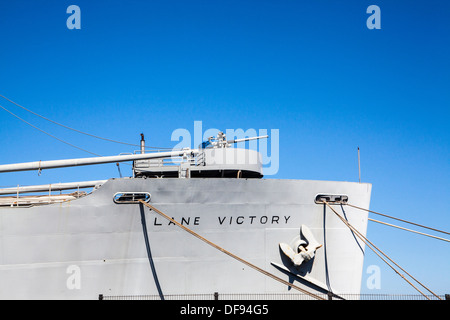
{"x": 227, "y": 220}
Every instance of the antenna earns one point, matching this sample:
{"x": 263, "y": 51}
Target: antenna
{"x": 359, "y": 166}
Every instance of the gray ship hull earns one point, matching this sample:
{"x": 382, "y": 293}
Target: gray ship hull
{"x": 90, "y": 246}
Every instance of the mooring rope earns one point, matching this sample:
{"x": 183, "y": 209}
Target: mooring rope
{"x": 391, "y": 217}
{"x": 398, "y": 227}
{"x": 149, "y": 252}
{"x": 231, "y": 254}
{"x": 375, "y": 249}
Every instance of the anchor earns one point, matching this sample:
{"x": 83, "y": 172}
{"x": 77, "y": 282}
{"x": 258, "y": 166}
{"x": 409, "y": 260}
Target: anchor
{"x": 303, "y": 250}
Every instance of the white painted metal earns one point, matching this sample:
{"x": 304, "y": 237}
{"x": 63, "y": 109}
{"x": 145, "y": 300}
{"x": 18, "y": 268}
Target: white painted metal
{"x": 247, "y": 139}
{"x": 39, "y": 165}
{"x": 90, "y": 246}
{"x": 52, "y": 187}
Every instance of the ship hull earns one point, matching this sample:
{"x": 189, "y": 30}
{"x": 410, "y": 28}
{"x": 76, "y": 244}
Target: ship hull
{"x": 93, "y": 246}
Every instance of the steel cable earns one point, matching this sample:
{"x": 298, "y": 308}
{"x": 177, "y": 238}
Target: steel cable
{"x": 375, "y": 249}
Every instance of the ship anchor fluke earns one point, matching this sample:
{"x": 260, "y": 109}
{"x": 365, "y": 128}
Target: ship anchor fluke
{"x": 304, "y": 250}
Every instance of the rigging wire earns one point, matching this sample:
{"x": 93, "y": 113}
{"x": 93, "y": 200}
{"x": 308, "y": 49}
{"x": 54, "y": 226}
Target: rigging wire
{"x": 50, "y": 135}
{"x": 79, "y": 131}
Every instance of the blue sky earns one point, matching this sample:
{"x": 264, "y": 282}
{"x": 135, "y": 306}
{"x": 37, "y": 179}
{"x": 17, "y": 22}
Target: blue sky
{"x": 311, "y": 69}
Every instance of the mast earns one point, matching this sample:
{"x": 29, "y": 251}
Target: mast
{"x": 359, "y": 166}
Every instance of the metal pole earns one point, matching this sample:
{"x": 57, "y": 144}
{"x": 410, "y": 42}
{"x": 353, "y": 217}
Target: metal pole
{"x": 55, "y": 186}
{"x": 359, "y": 166}
{"x": 247, "y": 139}
{"x": 39, "y": 165}
{"x": 142, "y": 144}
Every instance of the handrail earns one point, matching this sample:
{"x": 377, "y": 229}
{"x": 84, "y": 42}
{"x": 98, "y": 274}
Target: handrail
{"x": 53, "y": 187}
